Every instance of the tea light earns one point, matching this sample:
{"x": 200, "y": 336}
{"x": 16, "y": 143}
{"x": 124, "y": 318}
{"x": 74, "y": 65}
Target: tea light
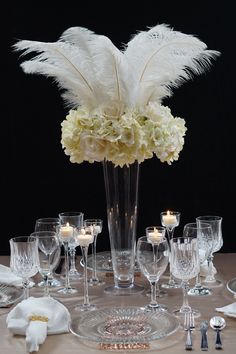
{"x": 169, "y": 220}
{"x": 96, "y": 229}
{"x": 154, "y": 236}
{"x": 66, "y": 232}
{"x": 84, "y": 239}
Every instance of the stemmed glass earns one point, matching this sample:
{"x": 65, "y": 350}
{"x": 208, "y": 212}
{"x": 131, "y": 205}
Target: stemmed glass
{"x": 48, "y": 244}
{"x": 185, "y": 265}
{"x": 66, "y": 234}
{"x": 153, "y": 258}
{"x": 170, "y": 220}
{"x": 50, "y": 224}
{"x": 96, "y": 224}
{"x": 204, "y": 236}
{"x": 24, "y": 260}
{"x": 75, "y": 219}
{"x": 84, "y": 237}
{"x": 216, "y": 224}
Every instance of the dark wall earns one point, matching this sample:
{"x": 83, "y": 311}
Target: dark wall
{"x": 36, "y": 176}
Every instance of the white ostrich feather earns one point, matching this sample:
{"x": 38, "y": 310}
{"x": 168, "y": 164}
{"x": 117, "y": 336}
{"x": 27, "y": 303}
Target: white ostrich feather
{"x": 94, "y": 73}
{"x": 163, "y": 59}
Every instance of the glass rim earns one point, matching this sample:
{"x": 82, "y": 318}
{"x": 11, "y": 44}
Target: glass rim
{"x": 47, "y": 220}
{"x": 70, "y": 213}
{"x": 170, "y": 212}
{"x": 209, "y": 217}
{"x": 19, "y": 238}
{"x": 196, "y": 226}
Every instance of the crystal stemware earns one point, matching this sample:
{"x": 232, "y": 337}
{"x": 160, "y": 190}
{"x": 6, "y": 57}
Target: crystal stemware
{"x": 75, "y": 219}
{"x": 216, "y": 224}
{"x": 24, "y": 261}
{"x": 66, "y": 234}
{"x": 84, "y": 237}
{"x": 50, "y": 224}
{"x": 48, "y": 244}
{"x": 185, "y": 265}
{"x": 204, "y": 235}
{"x": 96, "y": 224}
{"x": 170, "y": 220}
{"x": 153, "y": 258}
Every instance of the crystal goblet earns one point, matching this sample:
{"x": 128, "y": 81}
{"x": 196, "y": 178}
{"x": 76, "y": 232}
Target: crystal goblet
{"x": 24, "y": 261}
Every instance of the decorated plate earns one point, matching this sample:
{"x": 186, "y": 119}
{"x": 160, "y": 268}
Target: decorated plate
{"x": 9, "y": 295}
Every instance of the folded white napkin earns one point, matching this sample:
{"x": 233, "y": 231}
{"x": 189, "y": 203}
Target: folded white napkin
{"x": 229, "y": 310}
{"x": 37, "y": 317}
{"x": 9, "y": 278}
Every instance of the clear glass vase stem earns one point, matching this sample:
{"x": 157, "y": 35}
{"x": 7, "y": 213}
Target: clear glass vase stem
{"x": 67, "y": 281}
{"x": 94, "y": 250}
{"x": 185, "y": 306}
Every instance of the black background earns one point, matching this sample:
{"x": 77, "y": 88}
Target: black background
{"x": 38, "y": 179}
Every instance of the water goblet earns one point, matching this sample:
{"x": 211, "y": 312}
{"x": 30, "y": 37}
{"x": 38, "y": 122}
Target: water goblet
{"x": 84, "y": 237}
{"x": 96, "y": 224}
{"x": 217, "y": 242}
{"x": 24, "y": 261}
{"x": 185, "y": 265}
{"x": 204, "y": 236}
{"x": 50, "y": 224}
{"x": 66, "y": 234}
{"x": 170, "y": 220}
{"x": 153, "y": 258}
{"x": 75, "y": 219}
{"x": 48, "y": 244}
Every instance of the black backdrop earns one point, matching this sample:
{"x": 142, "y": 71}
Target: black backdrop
{"x": 36, "y": 176}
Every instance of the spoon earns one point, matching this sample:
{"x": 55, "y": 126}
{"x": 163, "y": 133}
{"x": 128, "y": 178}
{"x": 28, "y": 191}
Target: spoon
{"x": 217, "y": 323}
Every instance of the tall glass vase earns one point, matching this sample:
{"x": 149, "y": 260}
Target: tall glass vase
{"x": 121, "y": 185}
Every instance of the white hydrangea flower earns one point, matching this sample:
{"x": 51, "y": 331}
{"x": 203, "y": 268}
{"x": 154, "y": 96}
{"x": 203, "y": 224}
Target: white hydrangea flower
{"x": 135, "y": 135}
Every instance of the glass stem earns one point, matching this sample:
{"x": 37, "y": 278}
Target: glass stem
{"x": 67, "y": 281}
{"x": 25, "y": 284}
{"x": 94, "y": 276}
{"x": 46, "y": 290}
{"x": 84, "y": 250}
{"x": 153, "y": 294}
{"x": 170, "y": 234}
{"x": 198, "y": 283}
{"x": 185, "y": 306}
{"x": 210, "y": 277}
{"x": 72, "y": 253}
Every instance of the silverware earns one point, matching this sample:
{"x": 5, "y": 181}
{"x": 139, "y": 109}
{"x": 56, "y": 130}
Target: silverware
{"x": 217, "y": 323}
{"x": 189, "y": 326}
{"x": 204, "y": 341}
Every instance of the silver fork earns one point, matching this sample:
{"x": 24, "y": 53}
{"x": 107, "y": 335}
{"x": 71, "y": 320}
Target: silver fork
{"x": 189, "y": 326}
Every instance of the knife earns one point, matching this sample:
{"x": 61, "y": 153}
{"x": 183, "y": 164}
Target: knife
{"x": 204, "y": 342}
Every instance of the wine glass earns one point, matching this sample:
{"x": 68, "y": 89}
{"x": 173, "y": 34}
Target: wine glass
{"x": 155, "y": 232}
{"x": 48, "y": 244}
{"x": 204, "y": 235}
{"x": 50, "y": 224}
{"x": 84, "y": 237}
{"x": 75, "y": 219}
{"x": 153, "y": 258}
{"x": 24, "y": 261}
{"x": 185, "y": 265}
{"x": 66, "y": 234}
{"x": 96, "y": 224}
{"x": 170, "y": 220}
{"x": 216, "y": 224}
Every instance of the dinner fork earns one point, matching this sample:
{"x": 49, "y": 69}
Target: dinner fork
{"x": 189, "y": 326}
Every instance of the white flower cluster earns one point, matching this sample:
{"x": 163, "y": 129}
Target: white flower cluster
{"x": 134, "y": 135}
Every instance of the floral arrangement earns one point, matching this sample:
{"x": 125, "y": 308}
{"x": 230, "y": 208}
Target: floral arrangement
{"x": 115, "y": 96}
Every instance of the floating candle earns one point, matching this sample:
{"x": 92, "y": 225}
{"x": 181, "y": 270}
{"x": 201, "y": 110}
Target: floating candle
{"x": 169, "y": 220}
{"x": 83, "y": 238}
{"x": 66, "y": 232}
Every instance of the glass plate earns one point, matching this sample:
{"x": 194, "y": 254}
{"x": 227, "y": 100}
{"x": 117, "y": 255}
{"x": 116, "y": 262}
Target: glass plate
{"x": 231, "y": 285}
{"x": 103, "y": 261}
{"x": 123, "y": 328}
{"x": 9, "y": 295}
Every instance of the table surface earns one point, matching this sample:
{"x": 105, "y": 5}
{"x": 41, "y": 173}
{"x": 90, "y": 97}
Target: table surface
{"x": 70, "y": 344}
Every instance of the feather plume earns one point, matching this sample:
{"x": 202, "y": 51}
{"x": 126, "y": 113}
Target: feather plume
{"x": 164, "y": 59}
{"x": 92, "y": 72}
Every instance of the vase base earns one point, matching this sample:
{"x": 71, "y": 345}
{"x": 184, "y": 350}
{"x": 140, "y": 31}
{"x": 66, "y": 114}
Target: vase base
{"x": 123, "y": 291}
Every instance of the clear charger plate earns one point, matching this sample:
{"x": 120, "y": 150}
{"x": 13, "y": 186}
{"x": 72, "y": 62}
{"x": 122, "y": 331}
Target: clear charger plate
{"x": 9, "y": 295}
{"x": 103, "y": 262}
{"x": 123, "y": 328}
{"x": 231, "y": 285}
